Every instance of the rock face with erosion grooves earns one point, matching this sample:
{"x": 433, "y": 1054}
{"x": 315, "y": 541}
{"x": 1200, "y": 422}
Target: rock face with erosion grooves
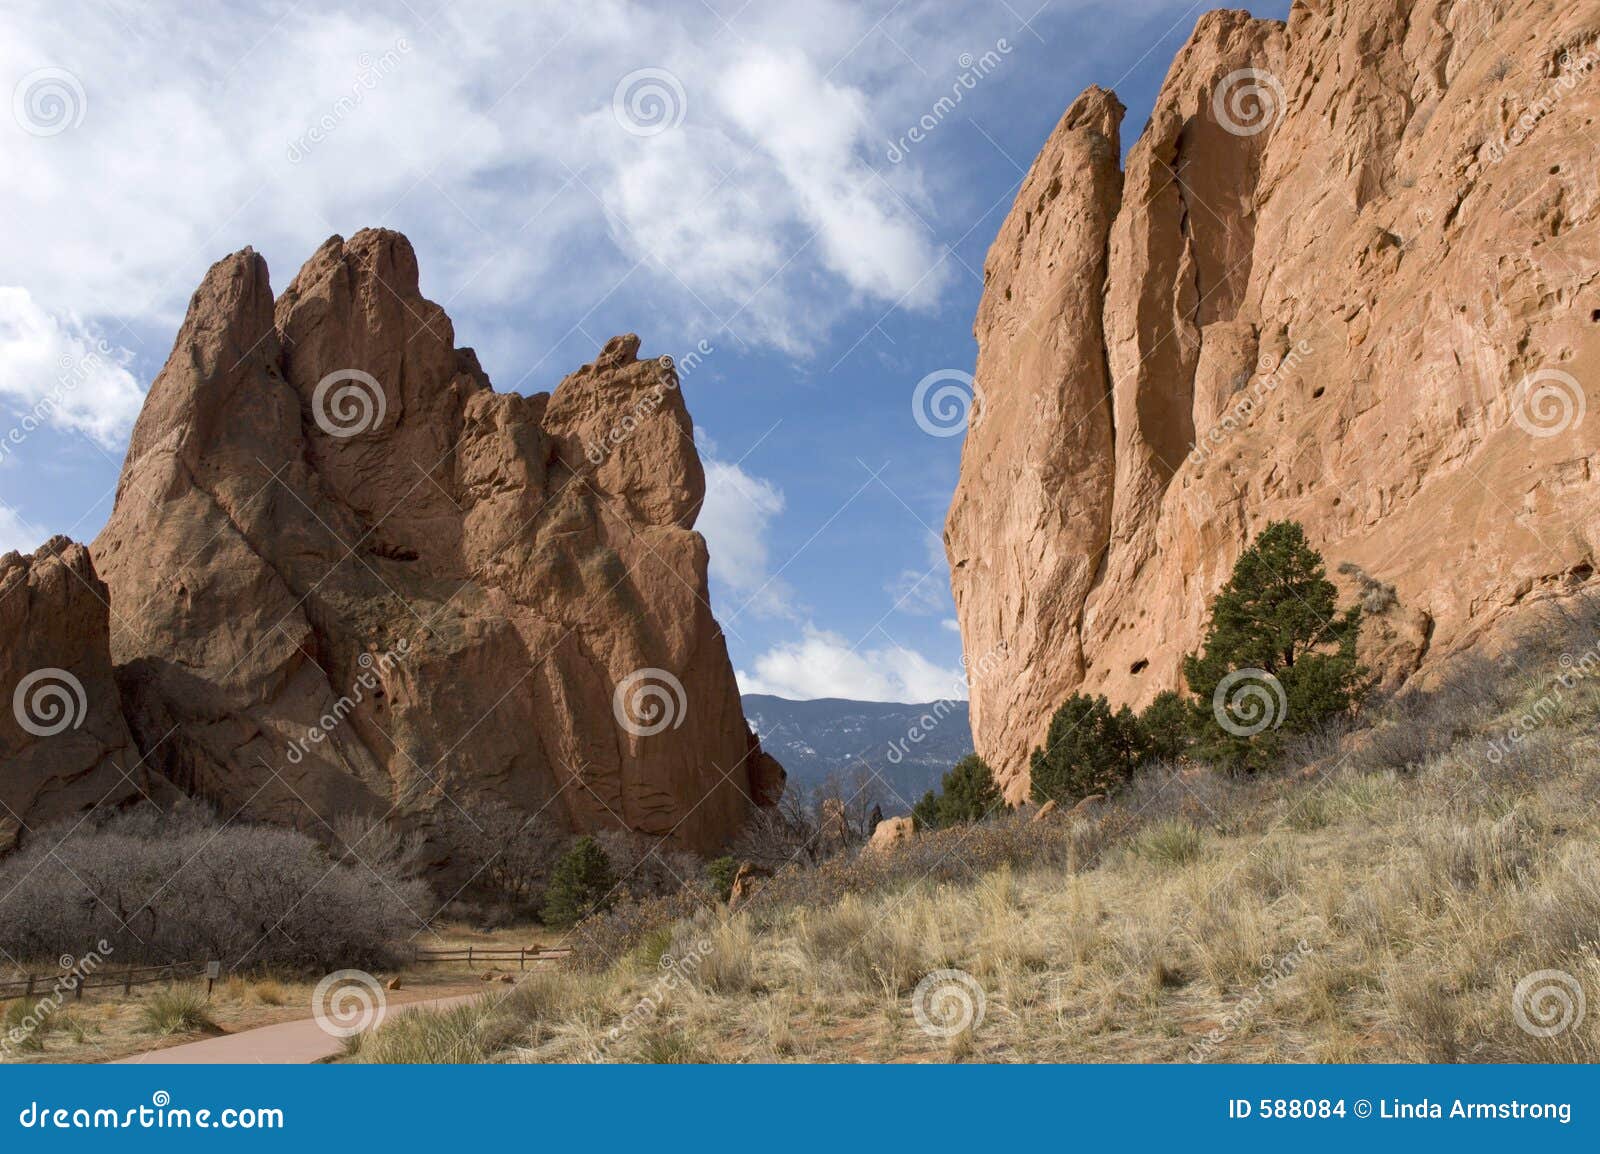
{"x": 1350, "y": 275}
{"x": 64, "y": 747}
{"x": 356, "y": 578}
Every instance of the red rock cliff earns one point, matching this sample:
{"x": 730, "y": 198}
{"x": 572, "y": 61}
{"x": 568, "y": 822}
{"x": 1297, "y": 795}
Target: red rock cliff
{"x": 1348, "y": 276}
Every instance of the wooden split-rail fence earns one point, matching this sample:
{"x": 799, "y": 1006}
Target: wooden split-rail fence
{"x": 473, "y": 955}
{"x": 125, "y": 977}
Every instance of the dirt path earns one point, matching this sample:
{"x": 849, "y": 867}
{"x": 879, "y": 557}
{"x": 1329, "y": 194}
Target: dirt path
{"x": 287, "y": 1043}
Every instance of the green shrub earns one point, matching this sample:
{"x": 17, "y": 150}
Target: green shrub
{"x": 580, "y": 885}
{"x": 1088, "y": 749}
{"x": 1279, "y": 656}
{"x": 1166, "y": 724}
{"x": 721, "y": 872}
{"x": 967, "y": 793}
{"x": 1168, "y": 843}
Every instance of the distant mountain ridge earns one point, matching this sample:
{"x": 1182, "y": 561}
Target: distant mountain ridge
{"x": 909, "y": 745}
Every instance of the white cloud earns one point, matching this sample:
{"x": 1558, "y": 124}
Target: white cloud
{"x": 823, "y": 664}
{"x": 55, "y": 372}
{"x": 488, "y": 132}
{"x": 16, "y": 534}
{"x": 736, "y": 520}
{"x": 951, "y": 625}
{"x": 814, "y": 132}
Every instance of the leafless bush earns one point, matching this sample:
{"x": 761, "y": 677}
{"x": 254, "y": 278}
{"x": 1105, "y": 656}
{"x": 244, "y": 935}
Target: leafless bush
{"x": 1375, "y": 596}
{"x": 643, "y": 867}
{"x": 181, "y": 887}
{"x": 379, "y": 844}
{"x": 502, "y": 853}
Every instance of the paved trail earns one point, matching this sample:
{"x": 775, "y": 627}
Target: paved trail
{"x": 287, "y": 1043}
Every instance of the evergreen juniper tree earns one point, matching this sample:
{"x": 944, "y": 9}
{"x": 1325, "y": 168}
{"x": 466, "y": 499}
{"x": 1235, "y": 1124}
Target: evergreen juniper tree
{"x": 580, "y": 884}
{"x": 1279, "y": 655}
{"x": 1088, "y": 749}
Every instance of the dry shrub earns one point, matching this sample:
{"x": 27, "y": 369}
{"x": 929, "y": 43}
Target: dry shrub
{"x": 179, "y": 886}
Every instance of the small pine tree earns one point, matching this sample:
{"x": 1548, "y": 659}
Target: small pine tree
{"x": 1165, "y": 724}
{"x": 720, "y": 872}
{"x": 925, "y": 814}
{"x": 1282, "y": 645}
{"x": 967, "y": 793}
{"x": 1088, "y": 749}
{"x": 580, "y": 884}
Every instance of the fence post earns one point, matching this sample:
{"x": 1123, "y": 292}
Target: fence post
{"x": 29, "y": 994}
{"x": 522, "y": 958}
{"x": 127, "y": 982}
{"x": 469, "y": 957}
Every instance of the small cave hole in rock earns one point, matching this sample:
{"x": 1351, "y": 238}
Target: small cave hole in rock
{"x": 1139, "y": 666}
{"x": 1318, "y": 391}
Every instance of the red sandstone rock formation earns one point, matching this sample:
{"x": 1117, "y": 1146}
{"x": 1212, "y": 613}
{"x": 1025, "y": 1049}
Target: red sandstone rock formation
{"x": 1349, "y": 277}
{"x": 64, "y": 747}
{"x": 348, "y": 575}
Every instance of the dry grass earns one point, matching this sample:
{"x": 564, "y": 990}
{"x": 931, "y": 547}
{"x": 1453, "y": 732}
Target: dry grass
{"x": 1375, "y": 908}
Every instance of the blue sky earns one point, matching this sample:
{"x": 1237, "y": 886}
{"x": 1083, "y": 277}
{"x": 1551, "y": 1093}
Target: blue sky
{"x": 734, "y": 174}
